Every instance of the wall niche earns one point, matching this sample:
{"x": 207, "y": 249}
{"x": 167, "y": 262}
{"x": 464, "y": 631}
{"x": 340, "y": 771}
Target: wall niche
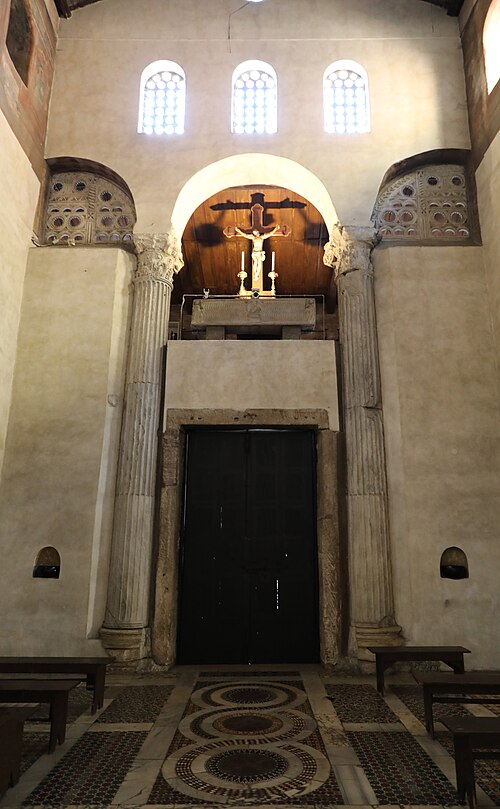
{"x": 47, "y": 564}
{"x": 453, "y": 564}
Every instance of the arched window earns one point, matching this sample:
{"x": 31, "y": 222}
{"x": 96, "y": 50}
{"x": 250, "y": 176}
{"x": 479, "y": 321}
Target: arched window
{"x": 491, "y": 39}
{"x": 345, "y": 98}
{"x": 254, "y": 99}
{"x": 162, "y": 102}
{"x": 19, "y": 38}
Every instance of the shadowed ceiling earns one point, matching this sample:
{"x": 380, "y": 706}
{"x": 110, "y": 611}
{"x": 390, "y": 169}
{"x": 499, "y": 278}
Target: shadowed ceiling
{"x": 212, "y": 261}
{"x": 65, "y": 7}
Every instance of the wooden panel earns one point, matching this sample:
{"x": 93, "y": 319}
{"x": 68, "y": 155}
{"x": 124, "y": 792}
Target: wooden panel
{"x": 213, "y": 261}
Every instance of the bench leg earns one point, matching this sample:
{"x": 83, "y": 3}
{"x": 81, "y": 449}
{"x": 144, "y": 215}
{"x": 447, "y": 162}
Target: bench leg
{"x": 429, "y": 719}
{"x": 99, "y": 680}
{"x": 464, "y": 768}
{"x": 457, "y": 665}
{"x": 380, "y": 667}
{"x": 58, "y": 716}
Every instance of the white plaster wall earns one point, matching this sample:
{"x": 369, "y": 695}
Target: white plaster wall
{"x": 62, "y": 445}
{"x": 442, "y": 428}
{"x": 19, "y": 188}
{"x": 242, "y": 375}
{"x": 52, "y": 12}
{"x": 413, "y": 60}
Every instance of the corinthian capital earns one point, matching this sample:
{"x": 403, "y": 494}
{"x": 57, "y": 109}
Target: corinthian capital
{"x": 159, "y": 256}
{"x": 349, "y": 249}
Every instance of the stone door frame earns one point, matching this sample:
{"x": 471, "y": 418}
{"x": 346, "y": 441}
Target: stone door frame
{"x": 332, "y": 550}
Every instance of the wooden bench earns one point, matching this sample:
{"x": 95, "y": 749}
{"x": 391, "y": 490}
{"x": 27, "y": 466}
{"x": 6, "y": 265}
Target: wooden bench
{"x": 386, "y": 656}
{"x": 11, "y": 743}
{"x": 55, "y": 692}
{"x": 94, "y": 668}
{"x": 469, "y": 735}
{"x": 439, "y": 686}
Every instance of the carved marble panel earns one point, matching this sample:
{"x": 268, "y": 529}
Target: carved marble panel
{"x": 428, "y": 204}
{"x": 234, "y": 312}
{"x": 84, "y": 208}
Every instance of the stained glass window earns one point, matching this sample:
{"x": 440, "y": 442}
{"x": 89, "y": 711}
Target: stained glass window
{"x": 163, "y": 99}
{"x": 254, "y": 107}
{"x": 345, "y": 98}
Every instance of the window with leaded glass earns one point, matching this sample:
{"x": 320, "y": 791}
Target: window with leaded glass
{"x": 163, "y": 99}
{"x": 254, "y": 99}
{"x": 345, "y": 98}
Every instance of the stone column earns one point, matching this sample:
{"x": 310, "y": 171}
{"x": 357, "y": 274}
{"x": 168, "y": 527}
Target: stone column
{"x": 372, "y": 601}
{"x": 124, "y": 631}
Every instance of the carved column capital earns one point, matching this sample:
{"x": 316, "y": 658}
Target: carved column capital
{"x": 349, "y": 249}
{"x": 159, "y": 257}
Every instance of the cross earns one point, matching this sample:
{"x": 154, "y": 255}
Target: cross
{"x": 257, "y": 219}
{"x": 256, "y": 233}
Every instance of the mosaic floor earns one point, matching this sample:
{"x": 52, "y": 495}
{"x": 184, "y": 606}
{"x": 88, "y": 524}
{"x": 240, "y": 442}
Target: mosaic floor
{"x": 247, "y": 737}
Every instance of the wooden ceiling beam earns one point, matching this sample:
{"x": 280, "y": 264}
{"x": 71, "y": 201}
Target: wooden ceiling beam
{"x": 63, "y": 8}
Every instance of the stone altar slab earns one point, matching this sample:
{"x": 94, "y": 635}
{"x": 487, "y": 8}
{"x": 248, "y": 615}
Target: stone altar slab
{"x": 254, "y": 312}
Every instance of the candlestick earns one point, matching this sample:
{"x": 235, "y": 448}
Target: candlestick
{"x": 242, "y": 260}
{"x": 273, "y": 254}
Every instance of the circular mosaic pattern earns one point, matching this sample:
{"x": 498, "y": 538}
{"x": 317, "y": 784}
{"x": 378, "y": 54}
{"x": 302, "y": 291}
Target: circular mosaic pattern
{"x": 249, "y": 695}
{"x": 247, "y": 766}
{"x": 223, "y": 769}
{"x": 248, "y": 723}
{"x": 235, "y": 695}
{"x": 265, "y": 725}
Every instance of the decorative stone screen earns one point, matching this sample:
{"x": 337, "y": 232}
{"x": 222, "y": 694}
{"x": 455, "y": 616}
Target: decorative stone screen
{"x": 163, "y": 99}
{"x": 345, "y": 98}
{"x": 254, "y": 99}
{"x": 428, "y": 204}
{"x": 84, "y": 208}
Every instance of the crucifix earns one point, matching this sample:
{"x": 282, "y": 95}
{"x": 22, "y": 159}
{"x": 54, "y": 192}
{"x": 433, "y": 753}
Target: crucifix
{"x": 257, "y": 233}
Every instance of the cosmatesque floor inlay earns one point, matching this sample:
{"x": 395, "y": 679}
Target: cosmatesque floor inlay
{"x": 238, "y": 737}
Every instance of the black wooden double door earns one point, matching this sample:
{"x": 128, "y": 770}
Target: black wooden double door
{"x": 248, "y": 579}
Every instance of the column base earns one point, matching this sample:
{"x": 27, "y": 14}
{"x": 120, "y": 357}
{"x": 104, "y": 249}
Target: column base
{"x": 373, "y": 635}
{"x": 126, "y": 646}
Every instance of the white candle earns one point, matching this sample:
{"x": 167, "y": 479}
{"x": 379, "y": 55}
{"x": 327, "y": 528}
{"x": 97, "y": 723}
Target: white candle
{"x": 242, "y": 261}
{"x": 272, "y": 261}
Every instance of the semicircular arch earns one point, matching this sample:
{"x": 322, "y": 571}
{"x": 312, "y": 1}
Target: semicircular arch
{"x": 250, "y": 169}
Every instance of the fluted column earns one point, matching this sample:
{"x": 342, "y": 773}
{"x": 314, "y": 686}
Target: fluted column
{"x": 372, "y": 601}
{"x": 127, "y": 609}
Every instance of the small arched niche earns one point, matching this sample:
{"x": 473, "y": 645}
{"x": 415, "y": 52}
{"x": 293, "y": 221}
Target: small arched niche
{"x": 453, "y": 564}
{"x": 47, "y": 564}
{"x": 19, "y": 38}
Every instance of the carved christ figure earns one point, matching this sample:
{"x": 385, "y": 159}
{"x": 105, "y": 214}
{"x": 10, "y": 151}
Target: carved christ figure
{"x": 258, "y": 254}
{"x": 256, "y": 233}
